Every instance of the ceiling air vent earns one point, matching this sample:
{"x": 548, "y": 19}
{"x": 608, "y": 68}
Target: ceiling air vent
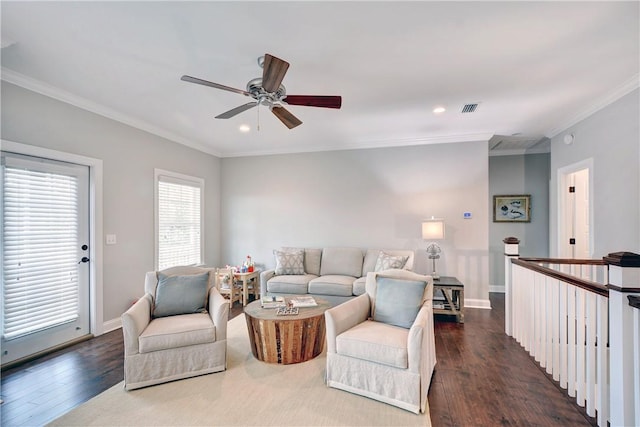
{"x": 469, "y": 108}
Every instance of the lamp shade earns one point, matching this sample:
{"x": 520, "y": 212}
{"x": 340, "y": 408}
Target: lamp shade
{"x": 433, "y": 229}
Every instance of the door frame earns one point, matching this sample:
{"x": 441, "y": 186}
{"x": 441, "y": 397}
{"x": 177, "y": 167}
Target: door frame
{"x": 96, "y": 309}
{"x": 563, "y": 176}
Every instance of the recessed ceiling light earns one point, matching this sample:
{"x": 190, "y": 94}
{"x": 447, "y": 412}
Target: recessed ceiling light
{"x": 244, "y": 128}
{"x": 439, "y": 110}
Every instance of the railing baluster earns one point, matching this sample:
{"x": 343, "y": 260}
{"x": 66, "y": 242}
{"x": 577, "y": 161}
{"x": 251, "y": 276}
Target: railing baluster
{"x": 591, "y": 319}
{"x": 636, "y": 361}
{"x": 550, "y": 320}
{"x": 602, "y": 353}
{"x": 537, "y": 319}
{"x": 555, "y": 327}
{"x": 564, "y": 340}
{"x": 571, "y": 341}
{"x": 580, "y": 346}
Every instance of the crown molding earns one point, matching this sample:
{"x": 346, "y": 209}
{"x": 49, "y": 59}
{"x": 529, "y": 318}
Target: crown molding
{"x": 625, "y": 88}
{"x": 520, "y": 151}
{"x": 382, "y": 143}
{"x": 46, "y": 89}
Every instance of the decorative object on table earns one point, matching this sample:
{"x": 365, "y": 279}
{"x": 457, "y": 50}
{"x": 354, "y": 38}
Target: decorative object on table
{"x": 512, "y": 208}
{"x": 249, "y": 264}
{"x": 303, "y": 301}
{"x": 286, "y": 311}
{"x": 272, "y": 301}
{"x": 433, "y": 229}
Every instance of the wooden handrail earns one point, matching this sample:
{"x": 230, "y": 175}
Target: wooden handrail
{"x": 584, "y": 284}
{"x": 566, "y": 261}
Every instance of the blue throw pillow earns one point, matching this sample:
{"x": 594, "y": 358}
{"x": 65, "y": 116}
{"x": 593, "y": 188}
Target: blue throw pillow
{"x": 398, "y": 301}
{"x": 181, "y": 294}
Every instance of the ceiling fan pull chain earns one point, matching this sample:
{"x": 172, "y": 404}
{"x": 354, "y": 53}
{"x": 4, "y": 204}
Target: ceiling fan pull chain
{"x": 258, "y": 127}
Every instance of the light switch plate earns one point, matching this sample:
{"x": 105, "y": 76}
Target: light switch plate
{"x": 110, "y": 239}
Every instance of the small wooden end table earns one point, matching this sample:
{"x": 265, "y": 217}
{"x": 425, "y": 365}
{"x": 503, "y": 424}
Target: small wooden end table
{"x": 286, "y": 339}
{"x": 245, "y": 279}
{"x": 453, "y": 291}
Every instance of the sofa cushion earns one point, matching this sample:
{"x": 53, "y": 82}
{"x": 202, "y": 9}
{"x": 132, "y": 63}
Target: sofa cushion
{"x": 386, "y": 261}
{"x": 289, "y": 262}
{"x": 398, "y": 301}
{"x": 151, "y": 277}
{"x": 290, "y": 284}
{"x": 359, "y": 286}
{"x": 177, "y": 331}
{"x": 376, "y": 342}
{"x": 180, "y": 294}
{"x": 342, "y": 262}
{"x": 332, "y": 285}
{"x": 371, "y": 258}
{"x": 312, "y": 259}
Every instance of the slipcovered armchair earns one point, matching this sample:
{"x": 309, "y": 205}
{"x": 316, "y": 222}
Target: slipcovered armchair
{"x": 381, "y": 344}
{"x": 177, "y": 330}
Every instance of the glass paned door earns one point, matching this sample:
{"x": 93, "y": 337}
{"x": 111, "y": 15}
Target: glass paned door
{"x": 45, "y": 254}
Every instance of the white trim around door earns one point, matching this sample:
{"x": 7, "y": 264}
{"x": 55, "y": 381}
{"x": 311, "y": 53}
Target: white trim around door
{"x": 95, "y": 220}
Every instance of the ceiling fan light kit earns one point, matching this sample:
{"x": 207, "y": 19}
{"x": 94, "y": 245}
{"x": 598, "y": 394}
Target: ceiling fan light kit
{"x": 269, "y": 91}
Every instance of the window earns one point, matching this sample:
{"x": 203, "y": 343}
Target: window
{"x": 179, "y": 213}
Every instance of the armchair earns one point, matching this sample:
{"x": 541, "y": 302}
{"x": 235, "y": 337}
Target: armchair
{"x": 377, "y": 358}
{"x": 171, "y": 346}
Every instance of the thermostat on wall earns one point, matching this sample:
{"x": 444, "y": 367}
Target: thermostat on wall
{"x": 466, "y": 215}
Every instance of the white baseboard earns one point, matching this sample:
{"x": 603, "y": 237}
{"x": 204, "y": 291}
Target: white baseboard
{"x": 477, "y": 303}
{"x": 111, "y": 325}
{"x": 497, "y": 289}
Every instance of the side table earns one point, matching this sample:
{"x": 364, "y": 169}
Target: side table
{"x": 286, "y": 339}
{"x": 453, "y": 303}
{"x": 245, "y": 279}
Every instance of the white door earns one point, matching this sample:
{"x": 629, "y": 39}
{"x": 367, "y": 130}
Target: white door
{"x": 582, "y": 248}
{"x": 45, "y": 254}
{"x": 574, "y": 222}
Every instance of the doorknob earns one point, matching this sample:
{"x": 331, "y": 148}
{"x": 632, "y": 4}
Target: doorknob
{"x": 84, "y": 259}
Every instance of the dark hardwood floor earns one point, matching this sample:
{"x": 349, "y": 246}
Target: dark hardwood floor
{"x": 483, "y": 378}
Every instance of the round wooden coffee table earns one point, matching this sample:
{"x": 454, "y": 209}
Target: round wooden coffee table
{"x": 286, "y": 339}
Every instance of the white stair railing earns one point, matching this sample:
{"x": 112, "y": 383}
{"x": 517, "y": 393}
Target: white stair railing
{"x": 563, "y": 326}
{"x": 569, "y": 315}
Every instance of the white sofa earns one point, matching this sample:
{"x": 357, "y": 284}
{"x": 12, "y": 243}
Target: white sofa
{"x": 336, "y": 274}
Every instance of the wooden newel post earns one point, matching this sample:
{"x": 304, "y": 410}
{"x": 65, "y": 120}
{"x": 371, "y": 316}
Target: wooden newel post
{"x": 624, "y": 280}
{"x": 510, "y": 252}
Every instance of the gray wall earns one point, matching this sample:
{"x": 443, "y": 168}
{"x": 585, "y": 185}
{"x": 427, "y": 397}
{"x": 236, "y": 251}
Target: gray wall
{"x": 129, "y": 157}
{"x": 611, "y": 137}
{"x": 362, "y": 198}
{"x": 521, "y": 174}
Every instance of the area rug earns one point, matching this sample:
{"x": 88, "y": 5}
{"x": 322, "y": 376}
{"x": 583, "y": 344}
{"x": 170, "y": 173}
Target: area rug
{"x": 248, "y": 393}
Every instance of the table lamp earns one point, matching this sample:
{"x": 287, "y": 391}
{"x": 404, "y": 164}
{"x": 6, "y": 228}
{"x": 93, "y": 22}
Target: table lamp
{"x": 433, "y": 229}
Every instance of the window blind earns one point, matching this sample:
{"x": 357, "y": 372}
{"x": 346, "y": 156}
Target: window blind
{"x": 179, "y": 222}
{"x": 40, "y": 223}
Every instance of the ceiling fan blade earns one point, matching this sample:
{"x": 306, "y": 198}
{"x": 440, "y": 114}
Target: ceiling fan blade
{"x": 273, "y": 71}
{"x": 285, "y": 116}
{"x": 314, "y": 100}
{"x": 215, "y": 85}
{"x": 237, "y": 110}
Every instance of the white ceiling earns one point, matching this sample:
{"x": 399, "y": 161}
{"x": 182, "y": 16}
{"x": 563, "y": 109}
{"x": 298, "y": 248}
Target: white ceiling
{"x": 534, "y": 68}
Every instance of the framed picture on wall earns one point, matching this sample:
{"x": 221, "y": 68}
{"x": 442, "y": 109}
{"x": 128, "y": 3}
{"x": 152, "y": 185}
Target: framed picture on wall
{"x": 512, "y": 208}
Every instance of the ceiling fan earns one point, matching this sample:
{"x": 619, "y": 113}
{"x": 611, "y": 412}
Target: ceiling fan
{"x": 268, "y": 90}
